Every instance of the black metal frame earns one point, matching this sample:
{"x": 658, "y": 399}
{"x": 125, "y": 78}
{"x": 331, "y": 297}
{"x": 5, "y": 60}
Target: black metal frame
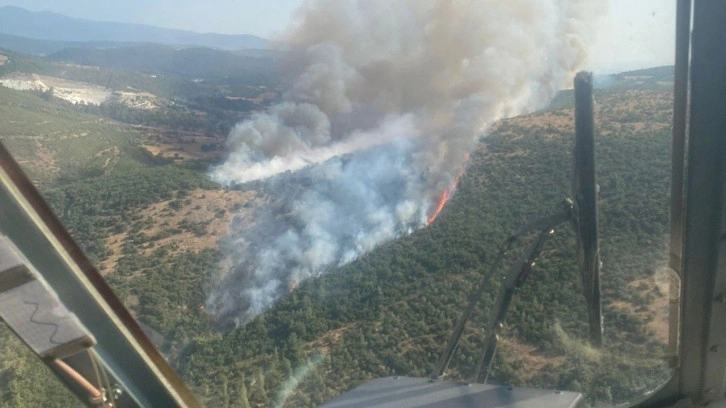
{"x": 584, "y": 192}
{"x": 580, "y": 211}
{"x": 698, "y": 210}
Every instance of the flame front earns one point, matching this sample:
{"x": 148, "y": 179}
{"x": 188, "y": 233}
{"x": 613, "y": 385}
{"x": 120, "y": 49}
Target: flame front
{"x": 446, "y": 194}
{"x": 440, "y": 206}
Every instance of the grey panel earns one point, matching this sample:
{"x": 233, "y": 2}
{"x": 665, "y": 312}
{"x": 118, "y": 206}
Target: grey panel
{"x": 404, "y": 392}
{"x": 42, "y": 322}
{"x": 33, "y": 311}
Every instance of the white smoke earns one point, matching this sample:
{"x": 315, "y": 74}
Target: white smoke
{"x": 291, "y": 384}
{"x": 385, "y": 99}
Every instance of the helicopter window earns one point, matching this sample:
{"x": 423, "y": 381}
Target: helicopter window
{"x": 288, "y": 219}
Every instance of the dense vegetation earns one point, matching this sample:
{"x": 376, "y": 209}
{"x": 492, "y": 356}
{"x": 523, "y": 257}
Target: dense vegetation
{"x": 96, "y": 176}
{"x": 355, "y": 327}
{"x": 391, "y": 311}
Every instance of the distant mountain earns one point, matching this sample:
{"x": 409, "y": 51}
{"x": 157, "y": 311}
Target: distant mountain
{"x": 664, "y": 73}
{"x": 195, "y": 62}
{"x": 35, "y": 46}
{"x": 656, "y": 78}
{"x": 46, "y": 25}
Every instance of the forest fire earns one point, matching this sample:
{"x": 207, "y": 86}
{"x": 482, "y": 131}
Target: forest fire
{"x": 440, "y": 206}
{"x": 372, "y": 137}
{"x": 446, "y": 194}
{"x": 444, "y": 199}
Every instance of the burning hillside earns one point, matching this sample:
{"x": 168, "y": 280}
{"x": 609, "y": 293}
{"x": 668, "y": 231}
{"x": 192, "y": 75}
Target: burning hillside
{"x": 384, "y": 100}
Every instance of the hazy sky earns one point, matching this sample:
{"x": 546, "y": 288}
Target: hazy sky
{"x": 633, "y": 34}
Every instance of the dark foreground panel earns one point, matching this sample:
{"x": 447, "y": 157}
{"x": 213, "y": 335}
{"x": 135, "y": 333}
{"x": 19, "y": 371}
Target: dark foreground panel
{"x": 402, "y": 392}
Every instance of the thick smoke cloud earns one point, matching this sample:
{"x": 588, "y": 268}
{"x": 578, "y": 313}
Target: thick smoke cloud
{"x": 385, "y": 99}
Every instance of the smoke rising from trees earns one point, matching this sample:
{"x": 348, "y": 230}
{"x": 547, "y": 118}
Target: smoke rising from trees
{"x": 384, "y": 101}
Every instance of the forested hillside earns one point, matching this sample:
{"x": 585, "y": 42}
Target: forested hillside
{"x": 390, "y": 312}
{"x": 97, "y": 175}
{"x": 152, "y": 223}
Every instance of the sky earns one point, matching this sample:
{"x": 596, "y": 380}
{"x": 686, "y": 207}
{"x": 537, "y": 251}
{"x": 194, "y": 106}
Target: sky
{"x": 635, "y": 34}
{"x": 632, "y": 34}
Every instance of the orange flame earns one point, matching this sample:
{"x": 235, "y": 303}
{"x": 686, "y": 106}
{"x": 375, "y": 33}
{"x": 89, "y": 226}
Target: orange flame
{"x": 442, "y": 202}
{"x": 446, "y": 194}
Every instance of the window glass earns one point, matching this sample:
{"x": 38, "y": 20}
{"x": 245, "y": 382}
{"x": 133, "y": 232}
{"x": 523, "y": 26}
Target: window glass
{"x": 290, "y": 218}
